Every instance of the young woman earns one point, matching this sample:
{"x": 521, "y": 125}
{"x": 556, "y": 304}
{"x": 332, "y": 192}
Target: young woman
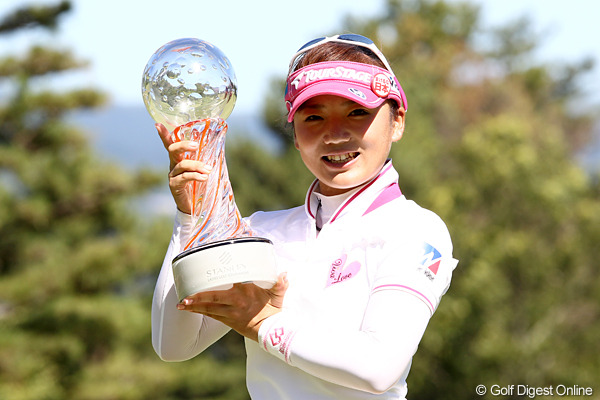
{"x": 362, "y": 268}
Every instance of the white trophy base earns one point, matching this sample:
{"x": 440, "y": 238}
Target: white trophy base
{"x": 218, "y": 265}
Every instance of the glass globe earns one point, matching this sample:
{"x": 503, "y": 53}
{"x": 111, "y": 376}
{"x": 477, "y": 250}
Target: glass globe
{"x": 187, "y": 80}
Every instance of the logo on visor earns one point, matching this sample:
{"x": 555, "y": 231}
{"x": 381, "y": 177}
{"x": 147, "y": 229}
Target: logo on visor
{"x": 381, "y": 85}
{"x": 357, "y": 93}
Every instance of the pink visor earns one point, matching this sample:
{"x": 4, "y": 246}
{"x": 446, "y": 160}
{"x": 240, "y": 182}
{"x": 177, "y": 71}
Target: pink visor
{"x": 366, "y": 84}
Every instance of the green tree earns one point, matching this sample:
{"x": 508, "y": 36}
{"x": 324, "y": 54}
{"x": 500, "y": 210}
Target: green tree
{"x": 77, "y": 266}
{"x": 489, "y": 145}
{"x": 492, "y": 153}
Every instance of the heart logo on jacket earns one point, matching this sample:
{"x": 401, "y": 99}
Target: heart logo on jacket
{"x": 340, "y": 272}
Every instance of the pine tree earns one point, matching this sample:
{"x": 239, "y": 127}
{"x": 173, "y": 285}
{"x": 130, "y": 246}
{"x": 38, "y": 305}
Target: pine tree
{"x": 77, "y": 261}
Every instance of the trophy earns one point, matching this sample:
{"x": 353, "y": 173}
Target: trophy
{"x": 190, "y": 87}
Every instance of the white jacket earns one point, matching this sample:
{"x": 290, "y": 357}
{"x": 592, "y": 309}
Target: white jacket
{"x": 361, "y": 294}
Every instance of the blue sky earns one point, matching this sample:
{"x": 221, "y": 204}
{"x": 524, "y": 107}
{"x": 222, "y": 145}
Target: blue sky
{"x": 119, "y": 36}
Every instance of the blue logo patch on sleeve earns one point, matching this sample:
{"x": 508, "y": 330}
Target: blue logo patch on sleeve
{"x": 431, "y": 260}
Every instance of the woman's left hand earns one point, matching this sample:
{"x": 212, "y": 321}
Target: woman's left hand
{"x": 243, "y": 307}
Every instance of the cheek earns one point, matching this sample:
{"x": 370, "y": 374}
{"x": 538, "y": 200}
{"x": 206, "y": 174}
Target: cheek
{"x": 304, "y": 141}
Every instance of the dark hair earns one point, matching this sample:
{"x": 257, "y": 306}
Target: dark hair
{"x": 343, "y": 52}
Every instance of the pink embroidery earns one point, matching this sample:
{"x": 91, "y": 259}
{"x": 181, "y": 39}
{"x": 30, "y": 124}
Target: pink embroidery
{"x": 276, "y": 336}
{"x": 280, "y": 340}
{"x": 339, "y": 273}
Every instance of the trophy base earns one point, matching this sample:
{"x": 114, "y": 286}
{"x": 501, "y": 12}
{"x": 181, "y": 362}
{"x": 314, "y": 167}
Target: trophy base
{"x": 218, "y": 265}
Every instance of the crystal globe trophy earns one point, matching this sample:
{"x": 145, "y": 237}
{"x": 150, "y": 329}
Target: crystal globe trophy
{"x": 189, "y": 86}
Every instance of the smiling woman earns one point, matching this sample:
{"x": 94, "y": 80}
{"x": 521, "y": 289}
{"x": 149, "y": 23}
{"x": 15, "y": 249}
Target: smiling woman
{"x": 358, "y": 262}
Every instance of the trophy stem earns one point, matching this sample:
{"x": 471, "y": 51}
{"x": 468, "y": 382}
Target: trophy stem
{"x": 204, "y": 221}
{"x": 213, "y": 205}
{"x": 202, "y": 139}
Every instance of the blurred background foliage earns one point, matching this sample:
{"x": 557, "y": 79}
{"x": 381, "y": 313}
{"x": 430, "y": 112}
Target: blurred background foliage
{"x": 490, "y": 145}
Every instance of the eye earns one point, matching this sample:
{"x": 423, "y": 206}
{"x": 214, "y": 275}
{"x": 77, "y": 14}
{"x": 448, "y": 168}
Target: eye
{"x": 359, "y": 112}
{"x": 313, "y": 117}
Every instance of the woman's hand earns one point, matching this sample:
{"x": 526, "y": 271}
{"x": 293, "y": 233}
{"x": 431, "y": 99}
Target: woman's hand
{"x": 182, "y": 172}
{"x": 243, "y": 307}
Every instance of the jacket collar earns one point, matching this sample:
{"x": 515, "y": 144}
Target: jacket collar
{"x": 372, "y": 195}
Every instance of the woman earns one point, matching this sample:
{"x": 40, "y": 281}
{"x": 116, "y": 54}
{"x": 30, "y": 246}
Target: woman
{"x": 362, "y": 268}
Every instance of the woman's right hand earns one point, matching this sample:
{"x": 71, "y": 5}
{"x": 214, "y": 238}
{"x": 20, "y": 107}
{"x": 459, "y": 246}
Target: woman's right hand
{"x": 182, "y": 172}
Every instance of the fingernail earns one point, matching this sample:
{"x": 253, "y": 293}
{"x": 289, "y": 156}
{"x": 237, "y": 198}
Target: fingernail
{"x": 194, "y": 145}
{"x": 180, "y": 306}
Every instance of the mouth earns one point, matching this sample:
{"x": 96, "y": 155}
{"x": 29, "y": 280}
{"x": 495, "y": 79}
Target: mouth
{"x": 341, "y": 158}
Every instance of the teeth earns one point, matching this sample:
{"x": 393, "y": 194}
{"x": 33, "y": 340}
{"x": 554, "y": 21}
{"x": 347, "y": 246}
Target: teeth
{"x": 342, "y": 157}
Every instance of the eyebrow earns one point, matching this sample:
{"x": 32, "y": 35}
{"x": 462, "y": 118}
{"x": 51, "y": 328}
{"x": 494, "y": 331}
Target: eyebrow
{"x": 319, "y": 106}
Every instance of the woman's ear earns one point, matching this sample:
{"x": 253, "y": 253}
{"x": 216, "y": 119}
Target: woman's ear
{"x": 296, "y": 142}
{"x": 398, "y": 125}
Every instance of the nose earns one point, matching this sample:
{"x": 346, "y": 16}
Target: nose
{"x": 335, "y": 132}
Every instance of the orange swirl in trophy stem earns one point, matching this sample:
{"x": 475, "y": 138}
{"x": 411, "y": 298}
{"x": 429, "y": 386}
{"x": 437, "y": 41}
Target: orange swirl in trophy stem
{"x": 212, "y": 132}
{"x": 210, "y": 212}
{"x": 202, "y": 141}
{"x": 196, "y": 199}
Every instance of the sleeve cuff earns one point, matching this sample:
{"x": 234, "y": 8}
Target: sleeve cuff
{"x": 183, "y": 227}
{"x": 183, "y": 219}
{"x": 276, "y": 334}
